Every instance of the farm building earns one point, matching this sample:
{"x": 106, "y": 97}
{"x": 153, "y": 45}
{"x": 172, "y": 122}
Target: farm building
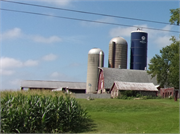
{"x": 145, "y": 89}
{"x": 75, "y": 87}
{"x": 107, "y": 76}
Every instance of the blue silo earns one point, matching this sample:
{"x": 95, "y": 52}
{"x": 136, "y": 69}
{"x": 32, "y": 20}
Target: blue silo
{"x": 139, "y": 41}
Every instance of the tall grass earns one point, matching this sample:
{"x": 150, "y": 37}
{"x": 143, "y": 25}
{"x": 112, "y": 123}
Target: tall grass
{"x": 37, "y": 112}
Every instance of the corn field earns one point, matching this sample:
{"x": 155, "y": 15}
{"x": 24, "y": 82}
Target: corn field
{"x": 36, "y": 113}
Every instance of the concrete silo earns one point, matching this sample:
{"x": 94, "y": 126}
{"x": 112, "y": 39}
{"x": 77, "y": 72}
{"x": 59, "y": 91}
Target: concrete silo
{"x": 95, "y": 60}
{"x": 139, "y": 41}
{"x": 117, "y": 53}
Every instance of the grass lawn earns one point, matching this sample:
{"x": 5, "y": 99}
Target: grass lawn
{"x": 133, "y": 116}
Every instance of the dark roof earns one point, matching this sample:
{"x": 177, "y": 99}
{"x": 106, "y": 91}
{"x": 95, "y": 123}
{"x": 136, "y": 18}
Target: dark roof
{"x": 53, "y": 84}
{"x": 135, "y": 86}
{"x": 126, "y": 75}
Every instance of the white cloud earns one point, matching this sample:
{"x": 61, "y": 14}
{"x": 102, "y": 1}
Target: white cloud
{"x": 124, "y": 31}
{"x": 168, "y": 27}
{"x": 162, "y": 41}
{"x": 8, "y": 65}
{"x": 49, "y": 57}
{"x": 31, "y": 63}
{"x": 57, "y": 2}
{"x": 6, "y": 72}
{"x": 55, "y": 74}
{"x": 120, "y": 31}
{"x": 11, "y": 34}
{"x": 7, "y": 62}
{"x": 42, "y": 39}
{"x": 16, "y": 82}
{"x": 17, "y": 33}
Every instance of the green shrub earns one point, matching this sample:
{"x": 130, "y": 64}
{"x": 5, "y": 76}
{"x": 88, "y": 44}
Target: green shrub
{"x": 130, "y": 93}
{"x": 158, "y": 97}
{"x": 41, "y": 114}
{"x": 150, "y": 97}
{"x": 144, "y": 97}
{"x": 138, "y": 95}
{"x": 124, "y": 97}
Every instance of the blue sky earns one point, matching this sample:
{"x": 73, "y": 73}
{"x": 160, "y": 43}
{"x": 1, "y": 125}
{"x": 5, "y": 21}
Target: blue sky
{"x": 47, "y": 48}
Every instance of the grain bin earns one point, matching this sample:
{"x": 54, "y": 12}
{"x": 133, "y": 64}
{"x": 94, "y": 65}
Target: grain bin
{"x": 95, "y": 60}
{"x": 117, "y": 53}
{"x": 139, "y": 41}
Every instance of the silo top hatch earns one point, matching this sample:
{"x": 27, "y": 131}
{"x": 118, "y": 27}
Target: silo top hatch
{"x": 95, "y": 51}
{"x": 140, "y": 31}
{"x": 118, "y": 40}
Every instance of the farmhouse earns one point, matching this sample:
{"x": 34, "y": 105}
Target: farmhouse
{"x": 107, "y": 76}
{"x": 145, "y": 89}
{"x": 75, "y": 87}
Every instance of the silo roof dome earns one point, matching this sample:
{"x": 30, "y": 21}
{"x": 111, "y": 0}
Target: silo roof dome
{"x": 95, "y": 51}
{"x": 118, "y": 40}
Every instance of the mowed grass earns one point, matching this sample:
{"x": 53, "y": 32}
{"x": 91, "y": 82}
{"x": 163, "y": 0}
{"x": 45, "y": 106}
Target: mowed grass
{"x": 133, "y": 116}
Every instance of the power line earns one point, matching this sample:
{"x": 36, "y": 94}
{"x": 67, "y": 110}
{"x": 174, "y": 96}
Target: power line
{"x": 85, "y": 12}
{"x": 70, "y": 18}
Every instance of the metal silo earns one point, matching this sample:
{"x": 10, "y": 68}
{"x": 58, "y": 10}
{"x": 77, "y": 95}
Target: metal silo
{"x": 95, "y": 60}
{"x": 139, "y": 40}
{"x": 117, "y": 53}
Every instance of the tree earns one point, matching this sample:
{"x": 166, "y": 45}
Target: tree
{"x": 174, "y": 68}
{"x": 166, "y": 65}
{"x": 175, "y": 16}
{"x": 174, "y": 19}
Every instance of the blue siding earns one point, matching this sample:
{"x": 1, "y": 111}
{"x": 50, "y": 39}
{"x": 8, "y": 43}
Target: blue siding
{"x": 139, "y": 42}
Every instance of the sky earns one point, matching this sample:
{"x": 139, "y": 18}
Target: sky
{"x": 34, "y": 47}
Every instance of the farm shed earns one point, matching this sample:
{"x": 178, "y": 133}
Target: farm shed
{"x": 166, "y": 92}
{"x": 145, "y": 89}
{"x": 75, "y": 87}
{"x": 107, "y": 76}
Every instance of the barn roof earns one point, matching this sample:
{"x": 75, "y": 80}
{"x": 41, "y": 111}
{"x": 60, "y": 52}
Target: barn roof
{"x": 53, "y": 84}
{"x": 126, "y": 75}
{"x": 135, "y": 86}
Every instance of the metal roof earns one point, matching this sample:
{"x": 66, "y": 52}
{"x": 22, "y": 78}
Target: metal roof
{"x": 95, "y": 51}
{"x": 135, "y": 86}
{"x": 126, "y": 75}
{"x": 53, "y": 84}
{"x": 118, "y": 40}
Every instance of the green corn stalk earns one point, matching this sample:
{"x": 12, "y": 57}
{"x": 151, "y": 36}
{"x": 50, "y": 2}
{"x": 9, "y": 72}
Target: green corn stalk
{"x": 38, "y": 113}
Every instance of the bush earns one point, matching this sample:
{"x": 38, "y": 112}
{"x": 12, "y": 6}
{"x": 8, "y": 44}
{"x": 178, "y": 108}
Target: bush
{"x": 41, "y": 114}
{"x": 122, "y": 97}
{"x": 144, "y": 97}
{"x": 127, "y": 93}
{"x": 158, "y": 97}
{"x": 138, "y": 95}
